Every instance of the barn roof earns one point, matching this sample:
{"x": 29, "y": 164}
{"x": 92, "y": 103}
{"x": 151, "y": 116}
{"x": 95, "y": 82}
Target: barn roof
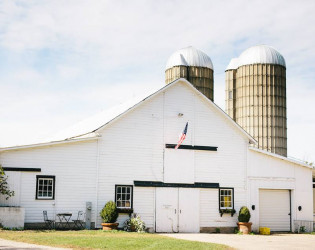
{"x": 88, "y": 129}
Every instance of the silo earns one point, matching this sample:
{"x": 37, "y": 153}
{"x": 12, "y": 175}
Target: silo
{"x": 230, "y": 88}
{"x": 193, "y": 65}
{"x": 256, "y": 96}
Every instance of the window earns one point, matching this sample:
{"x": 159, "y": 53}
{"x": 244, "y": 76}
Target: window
{"x": 226, "y": 198}
{"x": 45, "y": 187}
{"x": 123, "y": 196}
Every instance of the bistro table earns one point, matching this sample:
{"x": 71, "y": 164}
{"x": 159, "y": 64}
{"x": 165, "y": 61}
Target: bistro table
{"x": 63, "y": 222}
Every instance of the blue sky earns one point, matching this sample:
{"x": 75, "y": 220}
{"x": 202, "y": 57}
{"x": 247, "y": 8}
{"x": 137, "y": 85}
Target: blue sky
{"x": 62, "y": 61}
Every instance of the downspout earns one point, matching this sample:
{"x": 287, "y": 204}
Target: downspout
{"x": 97, "y": 174}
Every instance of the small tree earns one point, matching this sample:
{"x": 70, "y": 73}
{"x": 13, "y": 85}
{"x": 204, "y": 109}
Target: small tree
{"x": 244, "y": 215}
{"x": 109, "y": 213}
{"x": 4, "y": 188}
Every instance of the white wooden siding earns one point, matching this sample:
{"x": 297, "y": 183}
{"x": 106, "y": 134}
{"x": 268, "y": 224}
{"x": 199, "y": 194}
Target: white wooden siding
{"x": 144, "y": 205}
{"x": 209, "y": 210}
{"x": 73, "y": 165}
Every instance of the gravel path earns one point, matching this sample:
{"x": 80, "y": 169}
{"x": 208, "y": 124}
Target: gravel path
{"x": 13, "y": 245}
{"x": 257, "y": 242}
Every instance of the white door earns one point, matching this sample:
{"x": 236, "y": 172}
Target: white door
{"x": 188, "y": 210}
{"x": 167, "y": 210}
{"x": 274, "y": 209}
{"x": 177, "y": 210}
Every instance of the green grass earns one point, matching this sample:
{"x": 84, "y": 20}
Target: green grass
{"x": 99, "y": 239}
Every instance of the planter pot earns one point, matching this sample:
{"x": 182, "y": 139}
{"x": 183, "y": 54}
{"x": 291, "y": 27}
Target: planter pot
{"x": 244, "y": 227}
{"x": 110, "y": 226}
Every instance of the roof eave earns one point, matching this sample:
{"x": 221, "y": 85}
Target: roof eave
{"x": 48, "y": 143}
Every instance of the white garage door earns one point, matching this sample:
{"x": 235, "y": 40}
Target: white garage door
{"x": 274, "y": 209}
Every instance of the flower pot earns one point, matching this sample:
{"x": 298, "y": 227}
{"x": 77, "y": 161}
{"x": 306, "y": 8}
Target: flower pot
{"x": 244, "y": 227}
{"x": 110, "y": 226}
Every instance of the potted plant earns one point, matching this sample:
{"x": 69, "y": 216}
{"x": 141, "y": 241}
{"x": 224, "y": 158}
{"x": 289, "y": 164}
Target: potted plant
{"x": 244, "y": 226}
{"x": 109, "y": 215}
{"x": 134, "y": 224}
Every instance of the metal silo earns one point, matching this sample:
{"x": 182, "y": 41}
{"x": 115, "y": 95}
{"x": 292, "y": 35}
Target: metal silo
{"x": 193, "y": 65}
{"x": 256, "y": 96}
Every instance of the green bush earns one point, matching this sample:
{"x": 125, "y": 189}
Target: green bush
{"x": 4, "y": 186}
{"x": 244, "y": 214}
{"x": 134, "y": 224}
{"x": 109, "y": 213}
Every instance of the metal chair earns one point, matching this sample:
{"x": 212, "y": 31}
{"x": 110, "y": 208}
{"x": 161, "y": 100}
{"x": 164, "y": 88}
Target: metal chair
{"x": 49, "y": 223}
{"x": 79, "y": 222}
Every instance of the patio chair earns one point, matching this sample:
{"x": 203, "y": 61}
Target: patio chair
{"x": 79, "y": 222}
{"x": 50, "y": 224}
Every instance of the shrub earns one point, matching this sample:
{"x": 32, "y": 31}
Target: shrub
{"x": 244, "y": 214}
{"x": 109, "y": 213}
{"x": 134, "y": 224}
{"x": 4, "y": 187}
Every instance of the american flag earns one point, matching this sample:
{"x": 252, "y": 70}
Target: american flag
{"x": 182, "y": 137}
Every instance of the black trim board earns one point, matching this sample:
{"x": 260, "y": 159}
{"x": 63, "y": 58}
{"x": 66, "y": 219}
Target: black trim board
{"x": 184, "y": 185}
{"x": 23, "y": 169}
{"x": 207, "y": 148}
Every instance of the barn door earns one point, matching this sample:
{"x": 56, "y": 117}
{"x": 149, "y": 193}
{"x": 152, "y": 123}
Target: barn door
{"x": 167, "y": 210}
{"x": 188, "y": 210}
{"x": 177, "y": 210}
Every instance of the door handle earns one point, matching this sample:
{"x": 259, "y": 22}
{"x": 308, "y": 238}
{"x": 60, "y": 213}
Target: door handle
{"x": 175, "y": 211}
{"x": 180, "y": 211}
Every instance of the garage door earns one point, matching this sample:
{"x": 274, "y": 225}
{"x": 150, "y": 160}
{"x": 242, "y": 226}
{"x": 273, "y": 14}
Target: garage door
{"x": 274, "y": 209}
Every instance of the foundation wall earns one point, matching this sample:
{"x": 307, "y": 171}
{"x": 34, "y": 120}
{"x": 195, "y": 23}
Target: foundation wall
{"x": 200, "y": 77}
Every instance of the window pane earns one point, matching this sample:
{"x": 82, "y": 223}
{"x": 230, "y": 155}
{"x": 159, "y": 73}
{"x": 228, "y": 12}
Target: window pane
{"x": 226, "y": 198}
{"x": 118, "y": 189}
{"x": 123, "y": 189}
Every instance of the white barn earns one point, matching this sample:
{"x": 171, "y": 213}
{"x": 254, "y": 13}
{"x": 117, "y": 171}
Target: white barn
{"x": 128, "y": 156}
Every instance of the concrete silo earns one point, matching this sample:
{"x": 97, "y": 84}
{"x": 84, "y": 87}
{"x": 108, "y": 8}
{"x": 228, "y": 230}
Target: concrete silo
{"x": 193, "y": 65}
{"x": 256, "y": 96}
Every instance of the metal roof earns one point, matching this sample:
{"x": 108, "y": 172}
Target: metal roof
{"x": 189, "y": 56}
{"x": 233, "y": 64}
{"x": 261, "y": 54}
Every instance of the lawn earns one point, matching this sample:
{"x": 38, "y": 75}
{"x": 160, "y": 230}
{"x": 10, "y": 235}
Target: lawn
{"x": 98, "y": 239}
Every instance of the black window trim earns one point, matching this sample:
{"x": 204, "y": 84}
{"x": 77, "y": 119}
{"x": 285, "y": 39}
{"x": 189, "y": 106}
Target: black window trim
{"x": 54, "y": 185}
{"x": 232, "y": 197}
{"x": 124, "y": 209}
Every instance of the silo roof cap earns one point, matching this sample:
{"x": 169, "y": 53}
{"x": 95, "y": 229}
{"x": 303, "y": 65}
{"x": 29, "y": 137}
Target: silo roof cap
{"x": 233, "y": 64}
{"x": 261, "y": 54}
{"x": 189, "y": 56}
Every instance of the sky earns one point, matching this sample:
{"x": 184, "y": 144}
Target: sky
{"x": 63, "y": 61}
